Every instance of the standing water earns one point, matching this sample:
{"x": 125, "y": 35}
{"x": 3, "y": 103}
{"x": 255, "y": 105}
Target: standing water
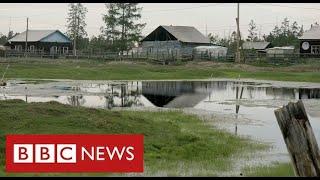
{"x": 241, "y": 107}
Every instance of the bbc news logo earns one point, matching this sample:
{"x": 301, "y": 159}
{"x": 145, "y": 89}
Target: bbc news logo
{"x": 74, "y": 153}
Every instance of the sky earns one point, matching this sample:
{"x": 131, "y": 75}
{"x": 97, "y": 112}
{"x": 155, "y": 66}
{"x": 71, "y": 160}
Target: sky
{"x": 217, "y": 18}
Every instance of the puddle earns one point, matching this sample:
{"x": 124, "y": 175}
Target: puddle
{"x": 252, "y": 115}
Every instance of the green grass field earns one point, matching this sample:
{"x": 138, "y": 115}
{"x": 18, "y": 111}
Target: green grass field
{"x": 273, "y": 170}
{"x": 175, "y": 144}
{"x": 100, "y": 70}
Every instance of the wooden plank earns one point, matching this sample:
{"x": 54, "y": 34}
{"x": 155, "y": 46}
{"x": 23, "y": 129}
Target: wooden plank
{"x": 299, "y": 138}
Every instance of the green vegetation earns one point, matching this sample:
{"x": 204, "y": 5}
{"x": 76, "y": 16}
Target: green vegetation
{"x": 175, "y": 143}
{"x": 274, "y": 170}
{"x": 133, "y": 70}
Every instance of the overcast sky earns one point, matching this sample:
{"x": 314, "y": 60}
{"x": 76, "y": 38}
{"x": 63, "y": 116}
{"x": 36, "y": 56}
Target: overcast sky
{"x": 219, "y": 18}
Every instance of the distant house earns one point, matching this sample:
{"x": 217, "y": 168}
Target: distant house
{"x": 173, "y": 40}
{"x": 48, "y": 41}
{"x": 310, "y": 41}
{"x": 210, "y": 51}
{"x": 280, "y": 51}
{"x": 256, "y": 46}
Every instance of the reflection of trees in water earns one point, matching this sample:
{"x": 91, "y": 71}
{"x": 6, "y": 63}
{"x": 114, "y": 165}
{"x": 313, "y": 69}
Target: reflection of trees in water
{"x": 128, "y": 96}
{"x": 76, "y": 100}
{"x": 109, "y": 101}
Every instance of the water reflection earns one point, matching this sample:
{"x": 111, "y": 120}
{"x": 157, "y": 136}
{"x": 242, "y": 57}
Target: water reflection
{"x": 169, "y": 94}
{"x": 226, "y": 97}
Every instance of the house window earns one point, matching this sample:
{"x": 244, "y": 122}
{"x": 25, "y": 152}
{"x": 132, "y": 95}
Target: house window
{"x": 53, "y": 49}
{"x": 315, "y": 49}
{"x": 65, "y": 50}
{"x": 31, "y": 48}
{"x": 18, "y": 47}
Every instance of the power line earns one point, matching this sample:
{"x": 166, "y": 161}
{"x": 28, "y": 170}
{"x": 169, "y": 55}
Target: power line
{"x": 288, "y": 6}
{"x": 180, "y": 9}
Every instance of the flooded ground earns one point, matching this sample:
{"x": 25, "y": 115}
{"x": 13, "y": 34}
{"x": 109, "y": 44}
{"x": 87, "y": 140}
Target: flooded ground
{"x": 243, "y": 107}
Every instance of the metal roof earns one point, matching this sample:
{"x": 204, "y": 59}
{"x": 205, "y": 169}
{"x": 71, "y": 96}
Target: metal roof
{"x": 255, "y": 45}
{"x": 186, "y": 34}
{"x": 312, "y": 33}
{"x": 283, "y": 47}
{"x": 33, "y": 35}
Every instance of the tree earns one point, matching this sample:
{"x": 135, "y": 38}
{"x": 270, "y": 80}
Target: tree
{"x": 76, "y": 24}
{"x": 110, "y": 31}
{"x": 3, "y": 39}
{"x": 121, "y": 25}
{"x": 11, "y": 34}
{"x": 252, "y": 32}
{"x": 214, "y": 39}
{"x": 99, "y": 44}
{"x": 286, "y": 34}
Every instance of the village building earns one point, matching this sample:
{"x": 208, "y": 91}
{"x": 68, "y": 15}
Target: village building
{"x": 280, "y": 51}
{"x": 45, "y": 41}
{"x": 178, "y": 41}
{"x": 260, "y": 46}
{"x": 310, "y": 41}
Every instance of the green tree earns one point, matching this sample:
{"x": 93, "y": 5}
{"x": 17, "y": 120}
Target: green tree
{"x": 214, "y": 39}
{"x": 3, "y": 39}
{"x": 286, "y": 34}
{"x": 253, "y": 35}
{"x": 121, "y": 25}
{"x": 99, "y": 44}
{"x": 76, "y": 25}
{"x": 11, "y": 34}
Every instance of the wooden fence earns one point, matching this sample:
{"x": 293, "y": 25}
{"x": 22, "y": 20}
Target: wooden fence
{"x": 169, "y": 57}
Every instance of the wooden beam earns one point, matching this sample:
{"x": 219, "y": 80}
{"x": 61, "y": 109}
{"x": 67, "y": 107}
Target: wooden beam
{"x": 299, "y": 138}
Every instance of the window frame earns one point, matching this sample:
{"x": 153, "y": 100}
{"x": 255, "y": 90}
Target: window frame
{"x": 315, "y": 49}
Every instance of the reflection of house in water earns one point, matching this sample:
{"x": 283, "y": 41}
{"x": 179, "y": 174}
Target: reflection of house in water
{"x": 281, "y": 93}
{"x": 173, "y": 94}
{"x": 293, "y": 93}
{"x": 309, "y": 93}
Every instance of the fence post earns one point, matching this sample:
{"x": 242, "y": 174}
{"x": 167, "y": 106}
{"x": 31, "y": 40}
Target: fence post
{"x": 147, "y": 55}
{"x": 299, "y": 138}
{"x": 157, "y": 53}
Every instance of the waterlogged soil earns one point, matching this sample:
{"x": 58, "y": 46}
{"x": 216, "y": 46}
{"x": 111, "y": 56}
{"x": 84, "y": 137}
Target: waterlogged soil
{"x": 244, "y": 107}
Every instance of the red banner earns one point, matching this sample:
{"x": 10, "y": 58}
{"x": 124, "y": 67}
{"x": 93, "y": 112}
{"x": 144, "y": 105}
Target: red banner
{"x": 74, "y": 153}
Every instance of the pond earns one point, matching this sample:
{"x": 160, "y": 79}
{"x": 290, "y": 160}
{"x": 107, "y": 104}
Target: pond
{"x": 243, "y": 107}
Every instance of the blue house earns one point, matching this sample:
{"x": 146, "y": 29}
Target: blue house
{"x": 47, "y": 41}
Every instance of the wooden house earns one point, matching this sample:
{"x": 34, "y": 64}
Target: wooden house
{"x": 260, "y": 46}
{"x": 310, "y": 41}
{"x": 179, "y": 41}
{"x": 46, "y": 41}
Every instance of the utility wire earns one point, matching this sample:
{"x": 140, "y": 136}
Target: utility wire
{"x": 295, "y": 7}
{"x": 180, "y": 9}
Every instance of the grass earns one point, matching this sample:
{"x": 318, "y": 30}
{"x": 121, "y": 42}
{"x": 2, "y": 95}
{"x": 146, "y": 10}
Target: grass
{"x": 176, "y": 144}
{"x": 274, "y": 170}
{"x": 101, "y": 70}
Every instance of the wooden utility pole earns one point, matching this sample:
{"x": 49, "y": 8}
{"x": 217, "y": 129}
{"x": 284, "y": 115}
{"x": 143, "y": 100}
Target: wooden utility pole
{"x": 206, "y": 30}
{"x": 26, "y": 46}
{"x": 299, "y": 138}
{"x": 238, "y": 36}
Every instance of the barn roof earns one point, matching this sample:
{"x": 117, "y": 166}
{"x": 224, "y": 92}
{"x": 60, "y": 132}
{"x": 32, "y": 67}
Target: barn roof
{"x": 255, "y": 45}
{"x": 187, "y": 34}
{"x": 33, "y": 35}
{"x": 312, "y": 33}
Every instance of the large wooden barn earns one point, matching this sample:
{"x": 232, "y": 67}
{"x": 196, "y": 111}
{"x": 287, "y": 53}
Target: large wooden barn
{"x": 310, "y": 41}
{"x": 47, "y": 41}
{"x": 177, "y": 41}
